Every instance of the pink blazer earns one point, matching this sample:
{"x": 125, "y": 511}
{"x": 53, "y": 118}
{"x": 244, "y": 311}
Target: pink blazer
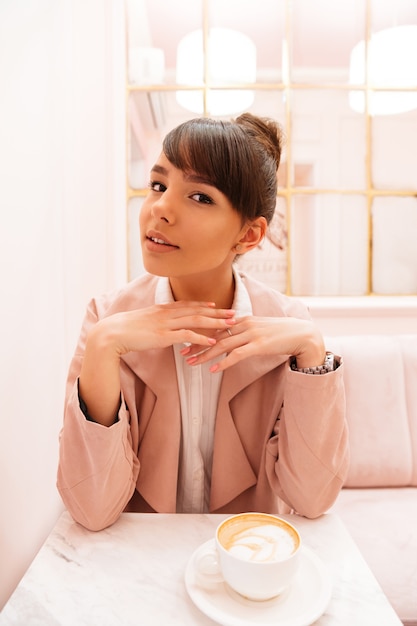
{"x": 280, "y": 440}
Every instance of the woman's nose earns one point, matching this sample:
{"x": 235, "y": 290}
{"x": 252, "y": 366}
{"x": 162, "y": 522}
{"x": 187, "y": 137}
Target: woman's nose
{"x": 163, "y": 208}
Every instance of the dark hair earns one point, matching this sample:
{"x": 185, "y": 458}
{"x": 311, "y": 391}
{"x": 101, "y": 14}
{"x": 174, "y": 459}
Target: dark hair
{"x": 239, "y": 157}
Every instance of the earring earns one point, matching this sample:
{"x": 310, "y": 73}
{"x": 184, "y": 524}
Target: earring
{"x": 238, "y": 247}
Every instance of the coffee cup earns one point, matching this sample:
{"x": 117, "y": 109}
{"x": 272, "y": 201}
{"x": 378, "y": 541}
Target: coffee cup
{"x": 255, "y": 554}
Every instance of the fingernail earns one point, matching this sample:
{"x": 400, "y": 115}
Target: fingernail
{"x": 214, "y": 368}
{"x": 212, "y": 341}
{"x": 191, "y": 360}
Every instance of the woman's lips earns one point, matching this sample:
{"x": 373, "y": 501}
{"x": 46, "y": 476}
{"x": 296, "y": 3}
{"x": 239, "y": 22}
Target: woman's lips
{"x": 155, "y": 243}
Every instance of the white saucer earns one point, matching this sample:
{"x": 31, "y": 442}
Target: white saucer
{"x": 300, "y": 605}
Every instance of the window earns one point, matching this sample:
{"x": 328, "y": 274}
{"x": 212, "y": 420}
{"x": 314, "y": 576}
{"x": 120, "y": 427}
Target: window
{"x": 346, "y": 214}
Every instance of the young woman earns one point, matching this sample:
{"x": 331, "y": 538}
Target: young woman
{"x": 195, "y": 388}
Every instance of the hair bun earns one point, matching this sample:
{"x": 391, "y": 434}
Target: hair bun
{"x": 266, "y": 131}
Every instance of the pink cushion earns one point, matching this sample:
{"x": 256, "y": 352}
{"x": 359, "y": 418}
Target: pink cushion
{"x": 409, "y": 352}
{"x": 383, "y": 524}
{"x": 381, "y": 403}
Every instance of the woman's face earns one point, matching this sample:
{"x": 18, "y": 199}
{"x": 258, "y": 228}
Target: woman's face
{"x": 187, "y": 226}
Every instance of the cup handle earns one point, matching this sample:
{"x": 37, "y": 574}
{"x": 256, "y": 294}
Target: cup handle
{"x": 207, "y": 568}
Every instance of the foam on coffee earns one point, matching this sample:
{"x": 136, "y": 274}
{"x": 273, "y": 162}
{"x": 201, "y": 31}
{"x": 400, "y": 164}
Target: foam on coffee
{"x": 260, "y": 538}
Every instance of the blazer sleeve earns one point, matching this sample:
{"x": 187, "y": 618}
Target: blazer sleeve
{"x": 97, "y": 469}
{"x": 308, "y": 455}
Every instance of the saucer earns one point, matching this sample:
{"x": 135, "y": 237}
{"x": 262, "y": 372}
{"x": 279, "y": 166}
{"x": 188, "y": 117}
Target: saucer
{"x": 300, "y": 605}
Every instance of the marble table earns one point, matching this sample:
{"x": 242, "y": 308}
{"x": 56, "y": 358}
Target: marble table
{"x": 133, "y": 574}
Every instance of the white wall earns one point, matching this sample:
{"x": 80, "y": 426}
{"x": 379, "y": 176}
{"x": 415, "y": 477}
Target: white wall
{"x": 62, "y": 235}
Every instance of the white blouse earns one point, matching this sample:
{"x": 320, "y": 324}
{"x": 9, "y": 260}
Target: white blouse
{"x": 199, "y": 393}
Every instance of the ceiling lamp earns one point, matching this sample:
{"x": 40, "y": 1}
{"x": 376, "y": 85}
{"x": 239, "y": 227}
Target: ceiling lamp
{"x": 392, "y": 63}
{"x": 231, "y": 59}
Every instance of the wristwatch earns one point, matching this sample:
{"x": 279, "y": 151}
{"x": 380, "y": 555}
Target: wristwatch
{"x": 329, "y": 365}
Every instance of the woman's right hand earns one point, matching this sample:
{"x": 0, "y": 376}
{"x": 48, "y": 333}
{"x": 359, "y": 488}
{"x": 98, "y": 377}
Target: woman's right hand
{"x": 162, "y": 325}
{"x": 158, "y": 326}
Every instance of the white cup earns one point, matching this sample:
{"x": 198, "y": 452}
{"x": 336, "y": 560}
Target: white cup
{"x": 256, "y": 554}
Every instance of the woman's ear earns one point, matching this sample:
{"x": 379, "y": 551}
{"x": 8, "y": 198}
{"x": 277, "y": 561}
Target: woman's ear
{"x": 251, "y": 235}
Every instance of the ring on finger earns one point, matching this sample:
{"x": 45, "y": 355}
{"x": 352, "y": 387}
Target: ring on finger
{"x": 229, "y": 331}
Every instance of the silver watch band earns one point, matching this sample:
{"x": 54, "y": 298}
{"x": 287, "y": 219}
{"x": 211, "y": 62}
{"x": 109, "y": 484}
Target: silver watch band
{"x": 329, "y": 365}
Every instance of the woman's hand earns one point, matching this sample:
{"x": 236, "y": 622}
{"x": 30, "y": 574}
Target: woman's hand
{"x": 158, "y": 326}
{"x": 255, "y": 336}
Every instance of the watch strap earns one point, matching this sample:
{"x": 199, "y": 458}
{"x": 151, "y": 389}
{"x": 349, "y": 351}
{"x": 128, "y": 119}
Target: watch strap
{"x": 329, "y": 365}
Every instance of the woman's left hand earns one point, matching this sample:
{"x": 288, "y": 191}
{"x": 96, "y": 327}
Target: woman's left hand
{"x": 256, "y": 336}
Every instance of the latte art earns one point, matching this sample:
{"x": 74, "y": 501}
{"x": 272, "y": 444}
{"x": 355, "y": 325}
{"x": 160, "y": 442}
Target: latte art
{"x": 267, "y": 542}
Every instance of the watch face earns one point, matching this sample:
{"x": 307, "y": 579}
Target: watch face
{"x": 330, "y": 362}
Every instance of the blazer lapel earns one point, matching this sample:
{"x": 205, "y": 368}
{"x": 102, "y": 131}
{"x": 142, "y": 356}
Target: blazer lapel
{"x": 232, "y": 472}
{"x": 160, "y": 429}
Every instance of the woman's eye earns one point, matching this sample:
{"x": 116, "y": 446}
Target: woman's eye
{"x": 155, "y": 186}
{"x": 202, "y": 198}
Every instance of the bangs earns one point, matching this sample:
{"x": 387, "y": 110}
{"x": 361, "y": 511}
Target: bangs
{"x": 198, "y": 147}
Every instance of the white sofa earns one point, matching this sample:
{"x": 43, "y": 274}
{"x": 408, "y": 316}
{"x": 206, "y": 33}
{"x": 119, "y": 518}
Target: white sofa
{"x": 378, "y": 503}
